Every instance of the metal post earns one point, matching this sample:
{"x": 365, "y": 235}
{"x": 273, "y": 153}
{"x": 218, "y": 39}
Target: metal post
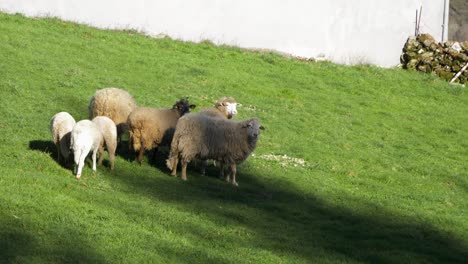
{"x": 443, "y": 22}
{"x": 416, "y": 24}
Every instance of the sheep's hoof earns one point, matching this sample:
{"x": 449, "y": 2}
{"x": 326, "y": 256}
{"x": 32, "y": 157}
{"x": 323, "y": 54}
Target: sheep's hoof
{"x": 184, "y": 178}
{"x": 235, "y": 184}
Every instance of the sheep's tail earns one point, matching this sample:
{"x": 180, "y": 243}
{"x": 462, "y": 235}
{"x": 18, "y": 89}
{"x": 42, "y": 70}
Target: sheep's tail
{"x": 174, "y": 153}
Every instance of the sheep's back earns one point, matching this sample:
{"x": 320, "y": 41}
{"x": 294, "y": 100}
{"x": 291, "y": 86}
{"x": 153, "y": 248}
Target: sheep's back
{"x": 153, "y": 124}
{"x": 61, "y": 124}
{"x": 114, "y": 103}
{"x": 210, "y": 138}
{"x": 85, "y": 133}
{"x": 108, "y": 129}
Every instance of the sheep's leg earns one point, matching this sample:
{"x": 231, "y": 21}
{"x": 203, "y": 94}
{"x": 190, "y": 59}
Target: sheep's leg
{"x": 222, "y": 174}
{"x": 59, "y": 153}
{"x": 204, "y": 164}
{"x": 111, "y": 152}
{"x": 183, "y": 173}
{"x": 233, "y": 172}
{"x": 141, "y": 152}
{"x": 101, "y": 154}
{"x": 94, "y": 159}
{"x": 81, "y": 163}
{"x": 175, "y": 161}
{"x": 155, "y": 152}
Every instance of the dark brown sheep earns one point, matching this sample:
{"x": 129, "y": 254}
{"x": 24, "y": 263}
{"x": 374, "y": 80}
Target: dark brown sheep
{"x": 201, "y": 137}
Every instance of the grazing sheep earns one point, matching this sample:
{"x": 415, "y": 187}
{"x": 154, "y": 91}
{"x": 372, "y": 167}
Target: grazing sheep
{"x": 152, "y": 127}
{"x": 114, "y": 103}
{"x": 85, "y": 137}
{"x": 202, "y": 137}
{"x": 61, "y": 126}
{"x": 225, "y": 107}
{"x": 109, "y": 133}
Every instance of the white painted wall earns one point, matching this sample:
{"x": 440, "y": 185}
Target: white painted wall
{"x": 345, "y": 31}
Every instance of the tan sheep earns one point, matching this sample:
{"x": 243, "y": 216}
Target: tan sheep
{"x": 225, "y": 107}
{"x": 152, "y": 127}
{"x": 61, "y": 126}
{"x": 114, "y": 103}
{"x": 109, "y": 133}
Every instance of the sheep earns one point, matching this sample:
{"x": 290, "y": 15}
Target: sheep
{"x": 109, "y": 133}
{"x": 225, "y": 108}
{"x": 151, "y": 127}
{"x": 85, "y": 137}
{"x": 201, "y": 137}
{"x": 61, "y": 125}
{"x": 114, "y": 103}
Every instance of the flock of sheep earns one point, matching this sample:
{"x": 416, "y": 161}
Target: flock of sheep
{"x": 209, "y": 134}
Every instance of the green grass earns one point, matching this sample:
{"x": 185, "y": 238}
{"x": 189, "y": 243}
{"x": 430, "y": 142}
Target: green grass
{"x": 386, "y": 157}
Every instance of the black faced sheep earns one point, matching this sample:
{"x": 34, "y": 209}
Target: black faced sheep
{"x": 202, "y": 137}
{"x": 61, "y": 126}
{"x": 152, "y": 127}
{"x": 109, "y": 133}
{"x": 85, "y": 137}
{"x": 114, "y": 103}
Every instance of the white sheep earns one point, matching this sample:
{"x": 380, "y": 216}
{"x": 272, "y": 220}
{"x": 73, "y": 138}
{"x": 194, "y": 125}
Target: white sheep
{"x": 109, "y": 133}
{"x": 61, "y": 125}
{"x": 85, "y": 137}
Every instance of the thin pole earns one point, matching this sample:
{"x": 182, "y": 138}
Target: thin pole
{"x": 416, "y": 24}
{"x": 459, "y": 73}
{"x": 419, "y": 21}
{"x": 443, "y": 22}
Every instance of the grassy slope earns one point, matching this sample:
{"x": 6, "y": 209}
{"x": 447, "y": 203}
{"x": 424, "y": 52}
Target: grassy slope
{"x": 386, "y": 152}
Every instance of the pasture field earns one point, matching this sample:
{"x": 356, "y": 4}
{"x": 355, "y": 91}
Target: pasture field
{"x": 356, "y": 165}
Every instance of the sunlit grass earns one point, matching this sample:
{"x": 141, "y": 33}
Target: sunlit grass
{"x": 384, "y": 152}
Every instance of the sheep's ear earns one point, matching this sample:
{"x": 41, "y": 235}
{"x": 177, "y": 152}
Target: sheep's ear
{"x": 192, "y": 106}
{"x": 262, "y": 128}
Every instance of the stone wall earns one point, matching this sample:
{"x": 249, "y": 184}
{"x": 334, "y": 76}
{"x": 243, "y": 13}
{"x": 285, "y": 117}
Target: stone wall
{"x": 424, "y": 54}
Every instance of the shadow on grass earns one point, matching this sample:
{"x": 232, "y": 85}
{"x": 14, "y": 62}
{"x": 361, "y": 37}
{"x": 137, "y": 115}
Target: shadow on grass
{"x": 19, "y": 245}
{"x": 288, "y": 222}
{"x": 48, "y": 147}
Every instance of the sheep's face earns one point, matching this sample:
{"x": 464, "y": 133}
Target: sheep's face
{"x": 253, "y": 130}
{"x": 228, "y": 105}
{"x": 183, "y": 106}
{"x": 231, "y": 109}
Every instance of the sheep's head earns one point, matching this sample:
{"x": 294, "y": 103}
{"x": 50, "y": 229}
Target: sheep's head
{"x": 183, "y": 106}
{"x": 253, "y": 129}
{"x": 228, "y": 105}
